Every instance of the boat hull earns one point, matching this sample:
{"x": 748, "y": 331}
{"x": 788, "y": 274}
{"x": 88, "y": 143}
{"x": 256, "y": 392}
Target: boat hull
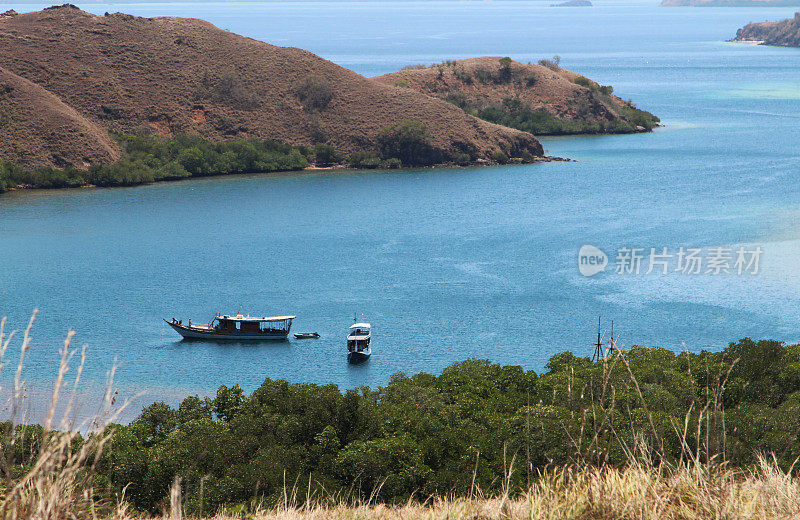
{"x": 210, "y": 334}
{"x": 359, "y": 357}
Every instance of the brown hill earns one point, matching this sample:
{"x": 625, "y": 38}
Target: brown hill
{"x": 785, "y": 33}
{"x": 39, "y": 130}
{"x": 178, "y": 75}
{"x": 499, "y": 88}
{"x": 729, "y": 3}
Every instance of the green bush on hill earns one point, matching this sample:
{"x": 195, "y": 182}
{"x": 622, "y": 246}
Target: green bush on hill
{"x": 148, "y": 159}
{"x": 513, "y": 112}
{"x": 326, "y": 155}
{"x": 552, "y": 64}
{"x": 365, "y": 159}
{"x": 315, "y": 93}
{"x": 409, "y": 142}
{"x": 433, "y": 435}
{"x": 227, "y": 88}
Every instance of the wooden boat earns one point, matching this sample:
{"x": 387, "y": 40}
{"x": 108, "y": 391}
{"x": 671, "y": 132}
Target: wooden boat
{"x": 236, "y": 327}
{"x": 358, "y": 343}
{"x": 306, "y": 335}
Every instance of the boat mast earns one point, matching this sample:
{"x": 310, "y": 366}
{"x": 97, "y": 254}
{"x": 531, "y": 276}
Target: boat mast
{"x": 612, "y": 343}
{"x": 598, "y": 347}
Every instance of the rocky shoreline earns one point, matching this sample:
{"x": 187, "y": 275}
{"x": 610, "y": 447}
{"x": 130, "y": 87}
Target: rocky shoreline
{"x": 784, "y": 33}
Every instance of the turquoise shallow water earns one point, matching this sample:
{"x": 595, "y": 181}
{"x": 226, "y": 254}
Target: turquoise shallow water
{"x": 446, "y": 263}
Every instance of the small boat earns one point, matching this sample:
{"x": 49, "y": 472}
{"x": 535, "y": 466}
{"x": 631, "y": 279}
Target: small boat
{"x": 358, "y": 343}
{"x": 306, "y": 335}
{"x": 236, "y": 327}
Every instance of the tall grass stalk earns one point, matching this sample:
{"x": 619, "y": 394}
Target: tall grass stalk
{"x": 49, "y": 470}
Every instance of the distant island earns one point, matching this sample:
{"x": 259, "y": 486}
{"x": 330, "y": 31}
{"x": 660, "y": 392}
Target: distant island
{"x": 573, "y": 3}
{"x": 84, "y": 93}
{"x": 785, "y": 33}
{"x": 541, "y": 98}
{"x": 119, "y": 100}
{"x": 730, "y": 3}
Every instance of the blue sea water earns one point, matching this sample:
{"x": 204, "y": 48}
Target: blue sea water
{"x": 446, "y": 263}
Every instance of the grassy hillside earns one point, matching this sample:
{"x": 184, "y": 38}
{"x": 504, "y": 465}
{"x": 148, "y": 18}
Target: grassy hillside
{"x": 179, "y": 76}
{"x": 542, "y": 98}
{"x": 30, "y": 118}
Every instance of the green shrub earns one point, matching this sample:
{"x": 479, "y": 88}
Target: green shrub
{"x": 483, "y": 75}
{"x": 505, "y": 72}
{"x": 514, "y": 113}
{"x": 552, "y": 64}
{"x": 499, "y": 157}
{"x": 148, "y": 159}
{"x": 461, "y": 158}
{"x": 392, "y": 163}
{"x": 462, "y": 75}
{"x": 606, "y": 90}
{"x": 228, "y": 88}
{"x": 315, "y": 93}
{"x": 364, "y": 159}
{"x": 326, "y": 155}
{"x": 409, "y": 142}
{"x": 584, "y": 82}
{"x": 459, "y": 99}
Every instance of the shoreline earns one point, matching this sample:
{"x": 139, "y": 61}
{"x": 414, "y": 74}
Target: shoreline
{"x": 310, "y": 169}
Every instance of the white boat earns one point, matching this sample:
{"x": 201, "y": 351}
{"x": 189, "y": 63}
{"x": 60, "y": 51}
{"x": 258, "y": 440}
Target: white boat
{"x": 358, "y": 342}
{"x": 236, "y": 327}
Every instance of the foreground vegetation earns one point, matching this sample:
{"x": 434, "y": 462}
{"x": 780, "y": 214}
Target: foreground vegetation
{"x": 644, "y": 433}
{"x": 638, "y": 491}
{"x": 643, "y": 421}
{"x": 434, "y": 435}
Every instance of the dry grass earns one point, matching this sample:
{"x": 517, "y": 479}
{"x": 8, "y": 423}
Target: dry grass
{"x": 48, "y": 473}
{"x": 637, "y": 492}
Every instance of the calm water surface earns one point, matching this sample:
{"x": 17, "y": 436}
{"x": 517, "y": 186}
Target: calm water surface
{"x": 446, "y": 263}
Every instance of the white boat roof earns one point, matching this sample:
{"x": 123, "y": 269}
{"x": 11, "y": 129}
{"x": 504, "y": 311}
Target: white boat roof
{"x": 360, "y": 326}
{"x": 239, "y": 317}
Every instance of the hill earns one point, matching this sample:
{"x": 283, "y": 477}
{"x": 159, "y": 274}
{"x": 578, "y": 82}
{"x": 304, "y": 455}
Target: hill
{"x": 175, "y": 76}
{"x": 38, "y": 129}
{"x": 573, "y": 3}
{"x": 730, "y": 3}
{"x": 785, "y": 33}
{"x": 539, "y": 98}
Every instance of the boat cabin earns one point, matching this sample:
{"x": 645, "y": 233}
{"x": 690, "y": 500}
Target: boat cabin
{"x": 359, "y": 329}
{"x": 359, "y": 337}
{"x": 253, "y": 324}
